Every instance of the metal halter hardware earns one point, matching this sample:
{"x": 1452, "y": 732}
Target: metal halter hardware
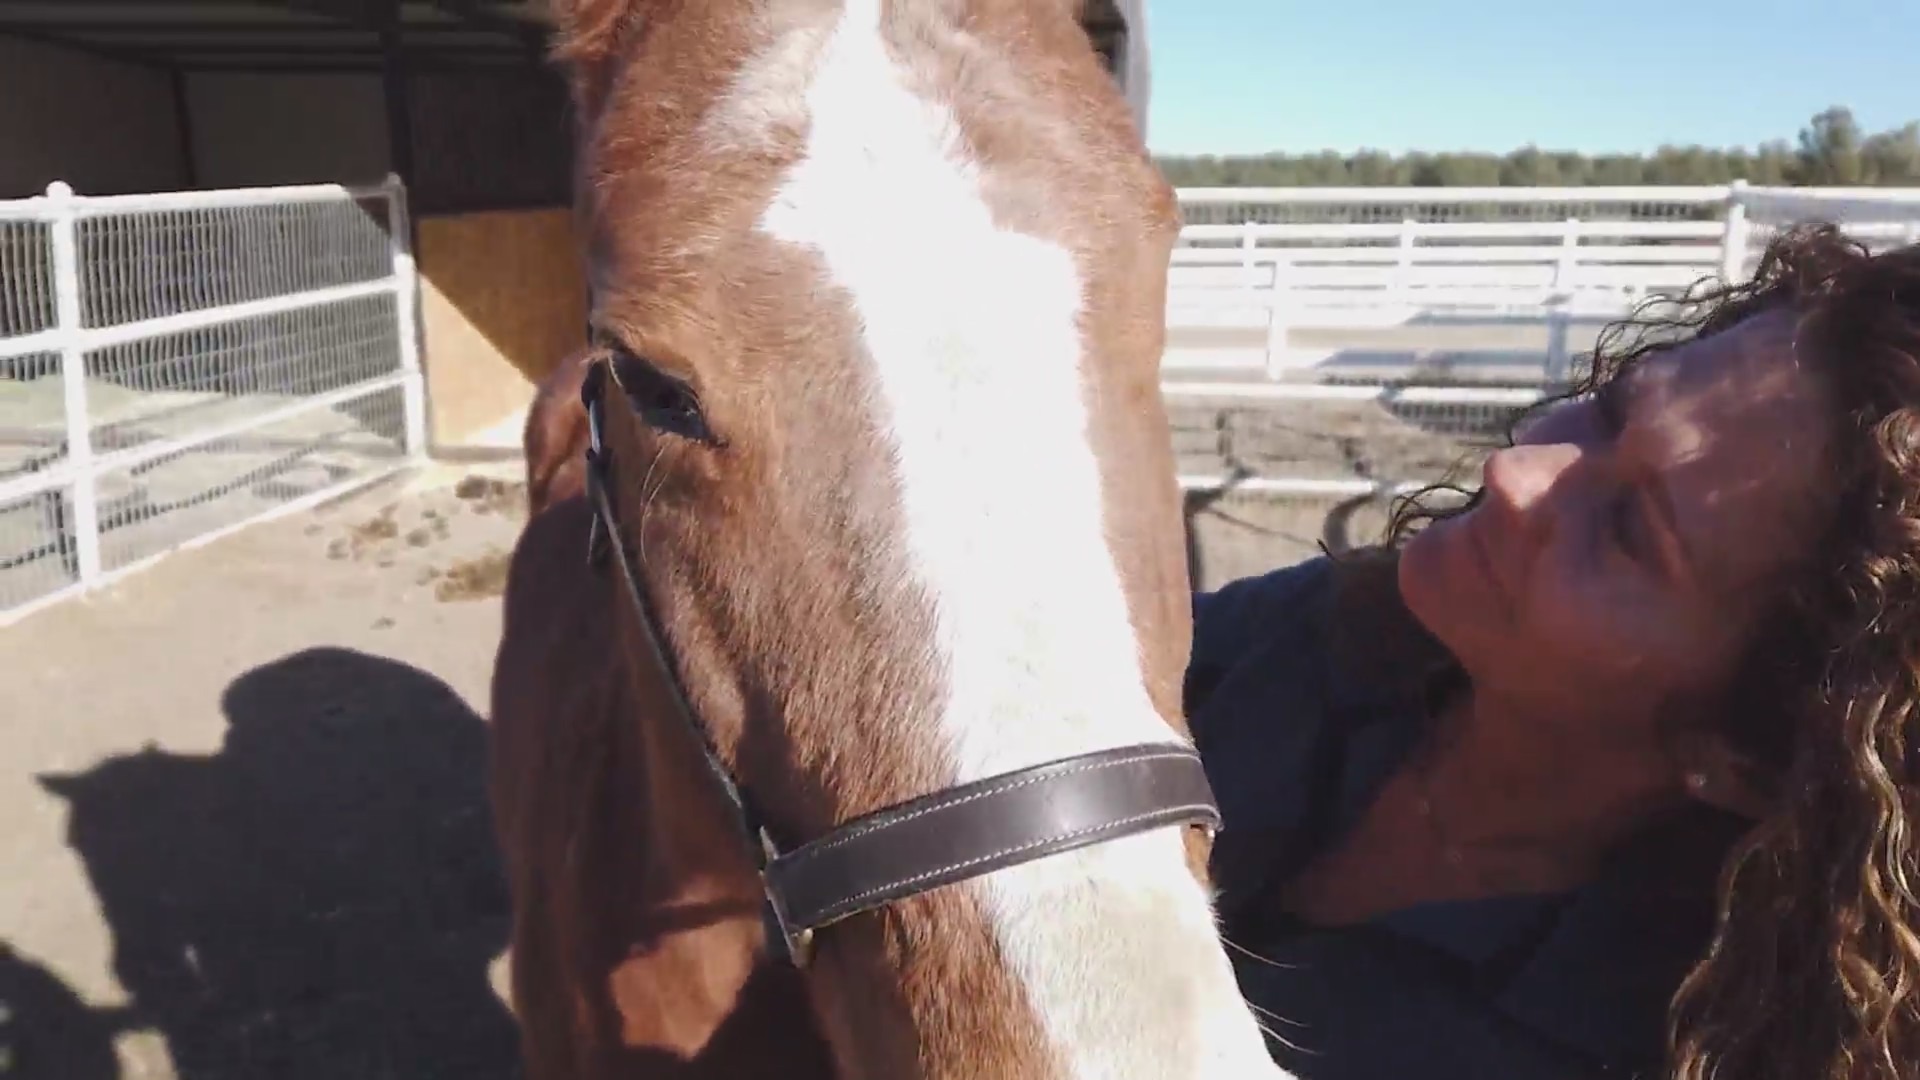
{"x": 919, "y": 845}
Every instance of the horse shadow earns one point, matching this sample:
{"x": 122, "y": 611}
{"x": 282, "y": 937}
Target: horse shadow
{"x": 46, "y": 1030}
{"x": 1194, "y": 504}
{"x": 321, "y": 897}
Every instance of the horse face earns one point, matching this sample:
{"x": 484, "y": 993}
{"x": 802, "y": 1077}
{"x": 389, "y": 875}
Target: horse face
{"x": 881, "y": 289}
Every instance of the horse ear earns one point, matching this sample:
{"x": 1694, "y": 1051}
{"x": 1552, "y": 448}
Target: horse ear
{"x": 59, "y": 785}
{"x": 587, "y": 39}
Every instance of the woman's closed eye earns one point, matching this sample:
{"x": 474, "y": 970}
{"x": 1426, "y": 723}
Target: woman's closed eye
{"x": 1640, "y": 518}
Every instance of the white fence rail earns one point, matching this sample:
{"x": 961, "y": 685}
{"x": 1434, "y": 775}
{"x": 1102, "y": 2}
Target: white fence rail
{"x": 1259, "y": 270}
{"x": 176, "y": 366}
{"x": 1276, "y": 294}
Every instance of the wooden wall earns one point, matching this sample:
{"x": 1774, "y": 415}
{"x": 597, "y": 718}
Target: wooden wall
{"x": 502, "y": 300}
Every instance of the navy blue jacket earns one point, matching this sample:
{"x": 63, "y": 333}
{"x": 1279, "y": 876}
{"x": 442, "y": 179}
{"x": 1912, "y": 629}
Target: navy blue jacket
{"x": 1508, "y": 988}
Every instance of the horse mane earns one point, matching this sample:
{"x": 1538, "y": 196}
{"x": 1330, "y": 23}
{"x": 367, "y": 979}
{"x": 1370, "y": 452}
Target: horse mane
{"x": 591, "y": 34}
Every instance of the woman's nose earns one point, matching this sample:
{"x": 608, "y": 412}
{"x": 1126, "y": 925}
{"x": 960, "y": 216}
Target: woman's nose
{"x": 1523, "y": 478}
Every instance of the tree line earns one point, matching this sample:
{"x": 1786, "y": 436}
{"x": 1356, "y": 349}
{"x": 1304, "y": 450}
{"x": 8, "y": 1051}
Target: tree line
{"x": 1831, "y": 150}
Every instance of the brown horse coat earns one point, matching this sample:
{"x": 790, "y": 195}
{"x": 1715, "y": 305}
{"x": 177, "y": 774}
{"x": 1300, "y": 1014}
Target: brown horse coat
{"x": 668, "y": 907}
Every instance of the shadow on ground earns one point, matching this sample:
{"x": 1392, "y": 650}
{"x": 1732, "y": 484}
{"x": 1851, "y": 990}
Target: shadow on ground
{"x": 320, "y": 898}
{"x": 46, "y": 1031}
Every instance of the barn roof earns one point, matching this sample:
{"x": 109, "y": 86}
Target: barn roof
{"x": 334, "y": 35}
{"x": 288, "y": 35}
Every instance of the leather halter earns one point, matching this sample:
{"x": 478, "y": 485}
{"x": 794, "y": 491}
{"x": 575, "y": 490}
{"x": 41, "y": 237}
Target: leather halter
{"x": 920, "y": 845}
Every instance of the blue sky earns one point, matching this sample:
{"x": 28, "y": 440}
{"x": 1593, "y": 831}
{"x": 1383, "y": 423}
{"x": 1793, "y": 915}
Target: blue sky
{"x": 1248, "y": 76}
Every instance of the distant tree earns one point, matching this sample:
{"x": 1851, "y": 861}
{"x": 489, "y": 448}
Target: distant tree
{"x": 1831, "y": 149}
{"x": 1467, "y": 170}
{"x": 1377, "y": 168}
{"x": 1617, "y": 170}
{"x": 1687, "y": 165}
{"x": 1892, "y": 157}
{"x": 1529, "y": 167}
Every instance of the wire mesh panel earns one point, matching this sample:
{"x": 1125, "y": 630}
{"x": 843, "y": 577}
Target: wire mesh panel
{"x": 32, "y": 427}
{"x": 233, "y": 354}
{"x": 158, "y": 504}
{"x": 1313, "y": 443}
{"x": 148, "y": 264}
{"x": 26, "y": 278}
{"x": 175, "y": 384}
{"x": 37, "y": 546}
{"x": 1880, "y": 219}
{"x": 36, "y": 541}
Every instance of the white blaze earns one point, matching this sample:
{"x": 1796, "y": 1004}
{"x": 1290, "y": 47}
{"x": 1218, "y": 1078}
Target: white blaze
{"x": 975, "y": 350}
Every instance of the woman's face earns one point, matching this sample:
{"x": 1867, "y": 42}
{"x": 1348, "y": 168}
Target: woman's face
{"x": 1622, "y": 550}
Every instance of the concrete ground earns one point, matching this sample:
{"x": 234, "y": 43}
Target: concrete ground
{"x": 242, "y": 818}
{"x": 1470, "y": 348}
{"x": 242, "y": 792}
{"x": 173, "y": 498}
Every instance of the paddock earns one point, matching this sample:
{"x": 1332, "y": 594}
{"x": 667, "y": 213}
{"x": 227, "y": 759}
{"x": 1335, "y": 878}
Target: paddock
{"x": 249, "y": 830}
{"x": 257, "y": 487}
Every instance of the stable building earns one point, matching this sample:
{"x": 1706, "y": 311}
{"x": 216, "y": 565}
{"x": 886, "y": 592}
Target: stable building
{"x": 453, "y": 97}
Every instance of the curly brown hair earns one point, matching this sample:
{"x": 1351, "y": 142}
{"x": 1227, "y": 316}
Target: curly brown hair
{"x": 1813, "y": 972}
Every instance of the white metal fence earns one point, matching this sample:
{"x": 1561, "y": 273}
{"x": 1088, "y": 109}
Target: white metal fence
{"x": 175, "y": 366}
{"x": 1287, "y": 261}
{"x": 1359, "y": 313}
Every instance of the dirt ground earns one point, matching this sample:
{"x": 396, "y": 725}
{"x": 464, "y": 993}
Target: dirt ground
{"x": 244, "y": 826}
{"x": 1232, "y": 534}
{"x": 245, "y": 832}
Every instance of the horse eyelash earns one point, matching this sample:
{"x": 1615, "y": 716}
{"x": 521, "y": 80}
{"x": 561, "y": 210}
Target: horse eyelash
{"x": 664, "y": 401}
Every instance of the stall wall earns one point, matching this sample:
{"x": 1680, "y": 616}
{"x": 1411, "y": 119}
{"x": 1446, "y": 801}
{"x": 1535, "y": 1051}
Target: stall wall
{"x": 103, "y": 126}
{"x": 502, "y": 301}
{"x": 492, "y": 140}
{"x": 256, "y": 129}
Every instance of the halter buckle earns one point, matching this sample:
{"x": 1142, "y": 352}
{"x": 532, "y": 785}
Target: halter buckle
{"x": 596, "y": 454}
{"x": 788, "y": 945}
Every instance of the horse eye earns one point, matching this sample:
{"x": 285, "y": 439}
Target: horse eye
{"x": 664, "y": 402}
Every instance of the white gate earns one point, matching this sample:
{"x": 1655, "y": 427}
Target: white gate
{"x": 1340, "y": 342}
{"x": 1257, "y": 267}
{"x": 176, "y": 366}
